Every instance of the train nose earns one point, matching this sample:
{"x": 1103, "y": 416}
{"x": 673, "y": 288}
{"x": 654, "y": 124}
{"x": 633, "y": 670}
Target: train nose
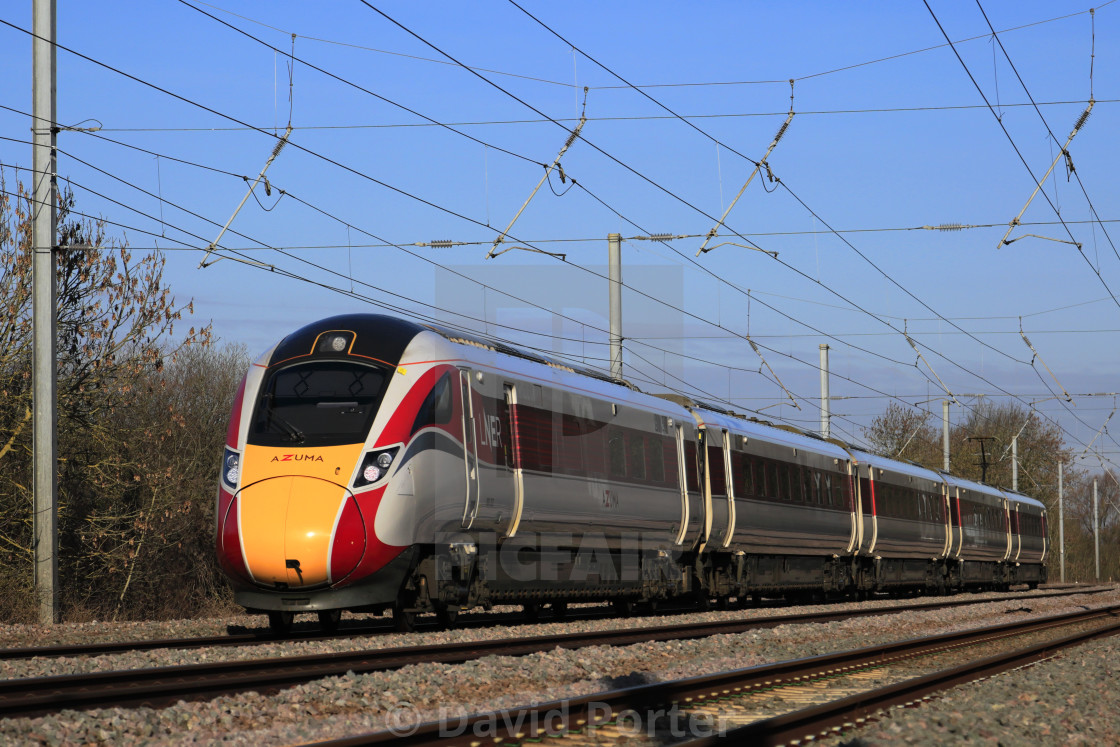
{"x": 288, "y": 531}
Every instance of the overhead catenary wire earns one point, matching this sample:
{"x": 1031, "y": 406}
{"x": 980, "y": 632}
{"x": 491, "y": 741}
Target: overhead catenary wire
{"x": 1077, "y": 125}
{"x": 303, "y": 149}
{"x": 1011, "y": 140}
{"x": 807, "y": 76}
{"x": 572, "y": 137}
{"x": 612, "y": 72}
{"x": 297, "y": 199}
{"x": 414, "y": 314}
{"x": 1022, "y": 158}
{"x": 495, "y": 85}
{"x": 636, "y": 118}
{"x": 584, "y": 187}
{"x": 756, "y": 164}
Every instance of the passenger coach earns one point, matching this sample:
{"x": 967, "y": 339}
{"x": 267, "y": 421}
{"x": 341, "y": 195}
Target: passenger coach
{"x": 373, "y": 463}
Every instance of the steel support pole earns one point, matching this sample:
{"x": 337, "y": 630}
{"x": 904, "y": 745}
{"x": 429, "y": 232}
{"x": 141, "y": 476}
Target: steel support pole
{"x": 1061, "y": 524}
{"x": 614, "y": 245}
{"x": 1096, "y": 536}
{"x": 44, "y": 300}
{"x": 945, "y": 433}
{"x": 826, "y": 413}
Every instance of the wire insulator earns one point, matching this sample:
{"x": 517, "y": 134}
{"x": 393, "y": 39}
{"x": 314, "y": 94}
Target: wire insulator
{"x": 661, "y": 237}
{"x": 781, "y": 131}
{"x": 280, "y": 145}
{"x": 951, "y": 227}
{"x": 442, "y": 244}
{"x": 1084, "y": 117}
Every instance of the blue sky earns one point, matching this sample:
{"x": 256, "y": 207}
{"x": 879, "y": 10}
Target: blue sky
{"x": 890, "y": 135}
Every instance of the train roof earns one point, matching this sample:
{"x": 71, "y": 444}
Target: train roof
{"x": 485, "y": 352}
{"x": 895, "y": 465}
{"x": 752, "y": 428}
{"x": 992, "y": 490}
{"x": 497, "y": 346}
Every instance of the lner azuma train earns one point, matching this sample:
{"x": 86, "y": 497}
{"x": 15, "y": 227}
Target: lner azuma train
{"x": 376, "y": 464}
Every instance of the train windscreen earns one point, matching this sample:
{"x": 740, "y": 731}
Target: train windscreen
{"x": 325, "y": 403}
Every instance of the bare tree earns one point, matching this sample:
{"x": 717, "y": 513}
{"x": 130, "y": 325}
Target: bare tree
{"x": 115, "y": 322}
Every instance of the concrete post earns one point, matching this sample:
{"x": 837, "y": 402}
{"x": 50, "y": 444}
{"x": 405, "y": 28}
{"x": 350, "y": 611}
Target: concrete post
{"x": 614, "y": 245}
{"x": 44, "y": 304}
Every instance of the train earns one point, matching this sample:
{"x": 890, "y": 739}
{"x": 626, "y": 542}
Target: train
{"x": 376, "y": 464}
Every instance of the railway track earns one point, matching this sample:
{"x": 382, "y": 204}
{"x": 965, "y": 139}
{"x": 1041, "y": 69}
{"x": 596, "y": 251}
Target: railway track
{"x": 264, "y": 636}
{"x": 789, "y": 703}
{"x": 167, "y": 685}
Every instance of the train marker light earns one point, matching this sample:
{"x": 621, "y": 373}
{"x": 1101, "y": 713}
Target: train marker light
{"x": 375, "y": 466}
{"x": 232, "y": 470}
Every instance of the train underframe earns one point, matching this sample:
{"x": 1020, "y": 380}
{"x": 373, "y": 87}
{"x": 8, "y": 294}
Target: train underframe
{"x": 445, "y": 581}
{"x": 447, "y": 584}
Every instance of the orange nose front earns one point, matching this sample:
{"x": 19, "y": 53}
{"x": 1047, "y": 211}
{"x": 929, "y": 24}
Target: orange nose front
{"x": 286, "y": 529}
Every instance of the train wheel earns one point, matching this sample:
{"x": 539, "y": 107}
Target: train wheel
{"x": 404, "y": 620}
{"x": 447, "y": 616}
{"x": 329, "y": 620}
{"x": 560, "y": 610}
{"x": 280, "y": 622}
{"x": 622, "y": 607}
{"x": 532, "y": 611}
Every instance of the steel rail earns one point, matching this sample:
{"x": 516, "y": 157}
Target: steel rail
{"x": 542, "y": 721}
{"x": 854, "y": 711}
{"x": 163, "y": 686}
{"x": 263, "y": 636}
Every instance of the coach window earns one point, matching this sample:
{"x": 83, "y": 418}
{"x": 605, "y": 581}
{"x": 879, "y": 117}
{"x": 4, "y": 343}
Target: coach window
{"x": 743, "y": 470}
{"x": 327, "y": 403}
{"x": 826, "y": 486}
{"x": 691, "y": 466}
{"x": 617, "y": 454}
{"x": 783, "y": 481}
{"x": 437, "y": 406}
{"x": 716, "y": 478}
{"x": 655, "y": 459}
{"x": 636, "y": 456}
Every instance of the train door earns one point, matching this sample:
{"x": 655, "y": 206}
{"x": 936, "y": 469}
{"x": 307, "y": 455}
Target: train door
{"x": 946, "y": 525}
{"x": 1045, "y": 536}
{"x": 682, "y": 478}
{"x": 869, "y": 513}
{"x": 513, "y": 457}
{"x": 956, "y": 529}
{"x": 716, "y": 488}
{"x": 1010, "y": 534}
{"x": 730, "y": 490}
{"x": 1015, "y": 535}
{"x": 470, "y": 449}
{"x": 849, "y": 497}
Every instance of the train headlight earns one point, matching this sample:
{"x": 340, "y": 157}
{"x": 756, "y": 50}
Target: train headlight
{"x": 375, "y": 466}
{"x": 231, "y": 469}
{"x": 334, "y": 342}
